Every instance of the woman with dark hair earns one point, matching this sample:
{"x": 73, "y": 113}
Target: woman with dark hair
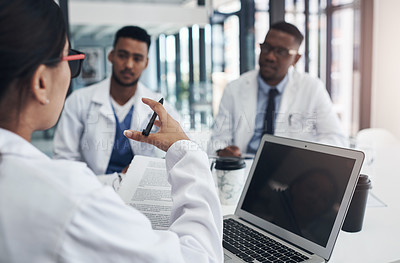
{"x": 56, "y": 210}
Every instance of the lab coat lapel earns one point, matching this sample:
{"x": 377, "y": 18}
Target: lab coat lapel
{"x": 102, "y": 98}
{"x": 288, "y": 99}
{"x": 141, "y": 115}
{"x": 141, "y": 110}
{"x": 289, "y": 94}
{"x": 248, "y": 99}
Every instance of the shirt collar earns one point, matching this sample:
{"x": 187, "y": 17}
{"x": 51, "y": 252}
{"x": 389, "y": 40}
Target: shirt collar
{"x": 11, "y": 144}
{"x": 264, "y": 87}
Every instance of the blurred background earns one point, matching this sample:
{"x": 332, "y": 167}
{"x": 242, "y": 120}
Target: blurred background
{"x": 198, "y": 46}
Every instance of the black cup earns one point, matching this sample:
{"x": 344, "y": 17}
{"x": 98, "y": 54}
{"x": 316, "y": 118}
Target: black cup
{"x": 355, "y": 214}
{"x": 229, "y": 163}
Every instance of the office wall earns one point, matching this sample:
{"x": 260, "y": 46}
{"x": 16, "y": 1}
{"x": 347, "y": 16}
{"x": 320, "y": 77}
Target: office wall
{"x": 385, "y": 108}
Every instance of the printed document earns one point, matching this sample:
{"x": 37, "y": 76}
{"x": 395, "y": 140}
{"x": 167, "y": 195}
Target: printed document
{"x": 146, "y": 188}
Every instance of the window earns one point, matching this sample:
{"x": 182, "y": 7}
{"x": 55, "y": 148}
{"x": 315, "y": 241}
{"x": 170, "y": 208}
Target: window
{"x": 261, "y": 25}
{"x": 330, "y": 50}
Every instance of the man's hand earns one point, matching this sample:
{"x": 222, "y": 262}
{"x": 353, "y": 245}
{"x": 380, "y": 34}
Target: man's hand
{"x": 231, "y": 150}
{"x": 125, "y": 169}
{"x": 170, "y": 131}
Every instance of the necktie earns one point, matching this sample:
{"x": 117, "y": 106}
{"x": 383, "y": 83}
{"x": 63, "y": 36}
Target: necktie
{"x": 269, "y": 116}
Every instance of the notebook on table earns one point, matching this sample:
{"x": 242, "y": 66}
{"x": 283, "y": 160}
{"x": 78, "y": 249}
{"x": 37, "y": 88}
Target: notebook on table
{"x": 293, "y": 203}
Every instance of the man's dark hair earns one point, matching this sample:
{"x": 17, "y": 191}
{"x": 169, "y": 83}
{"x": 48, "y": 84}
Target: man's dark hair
{"x": 133, "y": 32}
{"x": 289, "y": 29}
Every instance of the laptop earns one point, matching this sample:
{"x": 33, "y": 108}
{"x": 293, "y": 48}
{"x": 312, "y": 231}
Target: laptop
{"x": 293, "y": 203}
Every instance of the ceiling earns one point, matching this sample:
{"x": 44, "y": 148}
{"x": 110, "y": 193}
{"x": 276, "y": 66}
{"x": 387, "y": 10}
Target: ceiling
{"x": 102, "y": 18}
{"x": 175, "y": 2}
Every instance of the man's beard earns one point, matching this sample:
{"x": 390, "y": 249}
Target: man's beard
{"x": 133, "y": 83}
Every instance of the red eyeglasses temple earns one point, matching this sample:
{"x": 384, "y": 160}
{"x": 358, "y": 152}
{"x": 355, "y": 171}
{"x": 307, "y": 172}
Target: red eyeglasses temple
{"x": 74, "y": 57}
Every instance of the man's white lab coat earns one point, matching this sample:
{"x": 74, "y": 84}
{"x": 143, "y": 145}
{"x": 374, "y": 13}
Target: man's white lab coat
{"x": 86, "y": 129}
{"x": 306, "y": 113}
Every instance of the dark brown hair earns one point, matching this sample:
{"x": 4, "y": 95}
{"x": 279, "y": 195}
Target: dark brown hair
{"x": 31, "y": 32}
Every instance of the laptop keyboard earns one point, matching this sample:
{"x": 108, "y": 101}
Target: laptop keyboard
{"x": 251, "y": 245}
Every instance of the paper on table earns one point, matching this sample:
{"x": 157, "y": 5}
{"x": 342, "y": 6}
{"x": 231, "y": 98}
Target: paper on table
{"x": 146, "y": 188}
{"x": 374, "y": 201}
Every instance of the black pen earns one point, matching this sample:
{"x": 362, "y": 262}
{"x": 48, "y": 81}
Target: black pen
{"x": 146, "y": 131}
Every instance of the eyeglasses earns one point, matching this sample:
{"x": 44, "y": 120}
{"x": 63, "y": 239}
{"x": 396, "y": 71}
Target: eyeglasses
{"x": 75, "y": 59}
{"x": 278, "y": 51}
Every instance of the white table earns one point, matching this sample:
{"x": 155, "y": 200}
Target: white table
{"x": 379, "y": 239}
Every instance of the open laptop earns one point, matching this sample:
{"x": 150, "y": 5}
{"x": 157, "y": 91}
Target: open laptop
{"x": 293, "y": 203}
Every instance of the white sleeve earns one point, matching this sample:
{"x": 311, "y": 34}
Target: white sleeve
{"x": 68, "y": 133}
{"x": 222, "y": 130}
{"x": 329, "y": 128}
{"x": 104, "y": 229}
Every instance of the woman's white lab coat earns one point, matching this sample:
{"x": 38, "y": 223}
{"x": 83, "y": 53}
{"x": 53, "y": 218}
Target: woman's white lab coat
{"x": 86, "y": 129}
{"x": 57, "y": 211}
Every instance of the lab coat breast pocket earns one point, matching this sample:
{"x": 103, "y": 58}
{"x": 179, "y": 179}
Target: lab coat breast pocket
{"x": 296, "y": 125}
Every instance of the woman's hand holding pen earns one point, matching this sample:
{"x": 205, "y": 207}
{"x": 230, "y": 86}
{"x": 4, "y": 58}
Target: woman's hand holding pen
{"x": 170, "y": 131}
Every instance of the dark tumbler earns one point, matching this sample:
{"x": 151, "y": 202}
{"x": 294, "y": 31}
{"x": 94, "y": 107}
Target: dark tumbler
{"x": 355, "y": 214}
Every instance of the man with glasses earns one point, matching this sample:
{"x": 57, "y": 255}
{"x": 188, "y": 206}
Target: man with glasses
{"x": 94, "y": 118}
{"x": 275, "y": 99}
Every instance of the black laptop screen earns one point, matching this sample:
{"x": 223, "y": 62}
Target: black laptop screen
{"x": 298, "y": 189}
